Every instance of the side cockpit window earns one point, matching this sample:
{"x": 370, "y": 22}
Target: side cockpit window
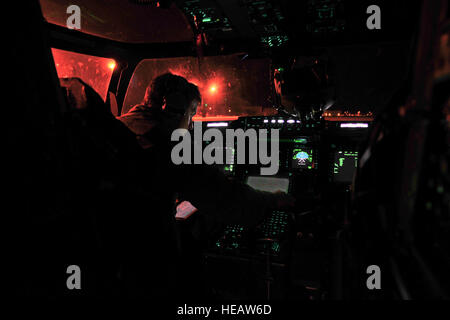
{"x": 95, "y": 71}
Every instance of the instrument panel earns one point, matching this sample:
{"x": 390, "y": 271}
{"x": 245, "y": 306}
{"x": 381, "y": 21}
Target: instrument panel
{"x": 317, "y": 161}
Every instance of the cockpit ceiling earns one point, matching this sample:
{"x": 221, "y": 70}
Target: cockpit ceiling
{"x": 270, "y": 23}
{"x": 123, "y": 20}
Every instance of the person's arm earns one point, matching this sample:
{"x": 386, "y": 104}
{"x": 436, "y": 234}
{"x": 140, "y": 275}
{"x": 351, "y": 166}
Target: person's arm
{"x": 231, "y": 201}
{"x": 208, "y": 189}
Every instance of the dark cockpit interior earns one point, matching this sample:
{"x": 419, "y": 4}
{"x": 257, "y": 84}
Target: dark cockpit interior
{"x": 356, "y": 91}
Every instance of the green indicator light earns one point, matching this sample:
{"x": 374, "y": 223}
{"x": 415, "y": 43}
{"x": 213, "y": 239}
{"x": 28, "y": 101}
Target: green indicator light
{"x": 352, "y": 154}
{"x": 276, "y": 246}
{"x": 206, "y": 20}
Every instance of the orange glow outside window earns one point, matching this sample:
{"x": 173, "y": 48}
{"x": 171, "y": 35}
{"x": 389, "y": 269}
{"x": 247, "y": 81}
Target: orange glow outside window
{"x": 95, "y": 71}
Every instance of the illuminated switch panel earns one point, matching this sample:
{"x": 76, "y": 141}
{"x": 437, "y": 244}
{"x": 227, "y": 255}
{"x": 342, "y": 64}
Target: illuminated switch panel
{"x": 275, "y": 226}
{"x": 232, "y": 238}
{"x": 269, "y": 235}
{"x": 325, "y": 16}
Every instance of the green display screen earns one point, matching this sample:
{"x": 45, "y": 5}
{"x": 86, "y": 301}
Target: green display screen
{"x": 345, "y": 163}
{"x": 302, "y": 158}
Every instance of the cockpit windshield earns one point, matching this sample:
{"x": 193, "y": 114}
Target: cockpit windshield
{"x": 230, "y": 85}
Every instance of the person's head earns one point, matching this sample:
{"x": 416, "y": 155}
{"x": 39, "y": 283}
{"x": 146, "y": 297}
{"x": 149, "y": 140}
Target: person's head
{"x": 173, "y": 94}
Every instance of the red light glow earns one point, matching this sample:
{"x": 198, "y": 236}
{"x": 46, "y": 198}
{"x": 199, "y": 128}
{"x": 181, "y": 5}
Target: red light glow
{"x": 95, "y": 71}
{"x": 216, "y": 118}
{"x": 227, "y": 86}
